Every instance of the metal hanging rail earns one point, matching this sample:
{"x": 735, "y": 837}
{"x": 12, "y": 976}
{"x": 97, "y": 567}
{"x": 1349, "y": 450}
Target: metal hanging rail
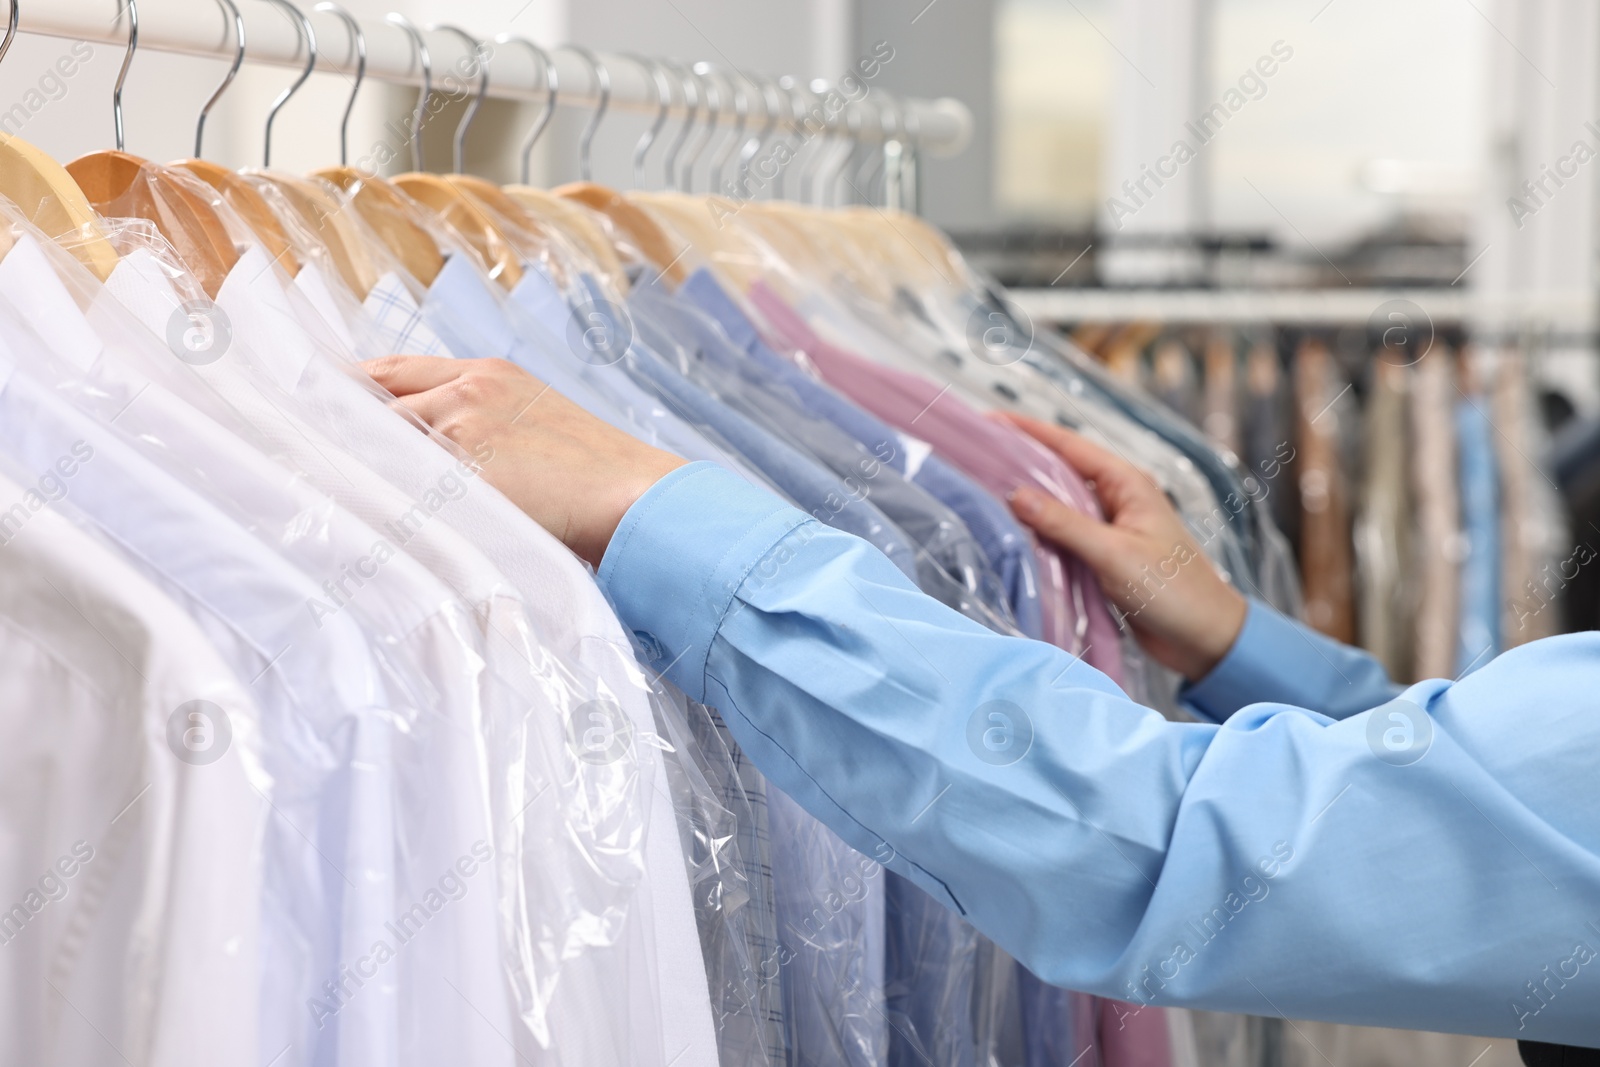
{"x": 939, "y": 127}
{"x": 1288, "y": 306}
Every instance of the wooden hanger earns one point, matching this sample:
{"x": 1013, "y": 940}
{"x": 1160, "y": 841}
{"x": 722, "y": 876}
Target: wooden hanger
{"x": 120, "y": 185}
{"x": 696, "y": 218}
{"x": 665, "y": 251}
{"x": 501, "y": 203}
{"x": 388, "y": 212}
{"x": 579, "y": 224}
{"x": 317, "y": 206}
{"x": 554, "y": 246}
{"x": 467, "y": 218}
{"x": 252, "y": 207}
{"x": 48, "y": 197}
{"x": 793, "y": 244}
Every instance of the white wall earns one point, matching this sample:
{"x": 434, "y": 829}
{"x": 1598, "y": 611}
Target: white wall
{"x": 1539, "y": 246}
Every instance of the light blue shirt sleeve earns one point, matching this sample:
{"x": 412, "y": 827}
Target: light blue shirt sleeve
{"x": 1428, "y": 862}
{"x": 1275, "y": 660}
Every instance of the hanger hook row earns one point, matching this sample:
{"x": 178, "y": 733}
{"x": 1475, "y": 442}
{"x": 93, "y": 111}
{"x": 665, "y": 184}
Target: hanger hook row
{"x": 358, "y": 42}
{"x": 231, "y": 9}
{"x": 309, "y": 37}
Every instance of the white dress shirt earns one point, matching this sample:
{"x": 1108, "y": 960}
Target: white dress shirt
{"x": 129, "y": 879}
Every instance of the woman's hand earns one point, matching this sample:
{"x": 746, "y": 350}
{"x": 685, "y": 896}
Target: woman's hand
{"x": 572, "y": 473}
{"x": 1183, "y": 612}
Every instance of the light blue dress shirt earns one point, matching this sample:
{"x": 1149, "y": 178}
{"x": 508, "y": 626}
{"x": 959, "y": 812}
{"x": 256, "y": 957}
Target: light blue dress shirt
{"x": 1327, "y": 846}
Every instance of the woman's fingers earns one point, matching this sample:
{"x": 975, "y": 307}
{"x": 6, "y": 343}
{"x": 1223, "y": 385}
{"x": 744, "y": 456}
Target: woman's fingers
{"x": 1091, "y": 540}
{"x": 1086, "y": 457}
{"x": 404, "y": 375}
{"x": 1118, "y": 483}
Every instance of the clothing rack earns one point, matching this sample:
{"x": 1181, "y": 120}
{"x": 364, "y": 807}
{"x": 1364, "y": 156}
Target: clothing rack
{"x": 1228, "y": 306}
{"x": 939, "y": 127}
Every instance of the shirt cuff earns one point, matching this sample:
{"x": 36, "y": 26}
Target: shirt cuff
{"x": 679, "y": 557}
{"x": 1264, "y": 664}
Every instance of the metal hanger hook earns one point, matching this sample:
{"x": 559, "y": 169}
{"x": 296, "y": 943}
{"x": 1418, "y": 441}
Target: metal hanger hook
{"x": 892, "y": 107}
{"x": 868, "y": 171}
{"x": 691, "y": 108}
{"x": 122, "y": 74}
{"x": 551, "y": 86}
{"x": 358, "y": 41}
{"x": 832, "y": 193}
{"x": 11, "y": 29}
{"x": 741, "y": 114}
{"x": 788, "y": 87}
{"x": 602, "y": 83}
{"x": 770, "y": 99}
{"x": 228, "y": 8}
{"x": 458, "y": 150}
{"x": 818, "y": 92}
{"x": 711, "y": 92}
{"x": 420, "y": 47}
{"x": 663, "y": 89}
{"x": 309, "y": 36}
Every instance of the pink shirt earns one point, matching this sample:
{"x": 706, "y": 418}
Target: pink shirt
{"x": 997, "y": 456}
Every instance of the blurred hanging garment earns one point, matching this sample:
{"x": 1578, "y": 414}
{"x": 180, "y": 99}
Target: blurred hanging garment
{"x": 1384, "y": 524}
{"x": 1269, "y": 436}
{"x": 1220, "y": 390}
{"x": 1538, "y": 559}
{"x": 1326, "y": 566}
{"x": 1437, "y": 547}
{"x": 1173, "y": 380}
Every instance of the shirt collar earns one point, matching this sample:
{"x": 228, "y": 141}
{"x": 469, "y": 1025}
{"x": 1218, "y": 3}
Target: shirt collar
{"x": 313, "y": 285}
{"x": 701, "y": 289}
{"x": 460, "y": 302}
{"x": 32, "y": 286}
{"x": 539, "y": 296}
{"x": 255, "y": 305}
